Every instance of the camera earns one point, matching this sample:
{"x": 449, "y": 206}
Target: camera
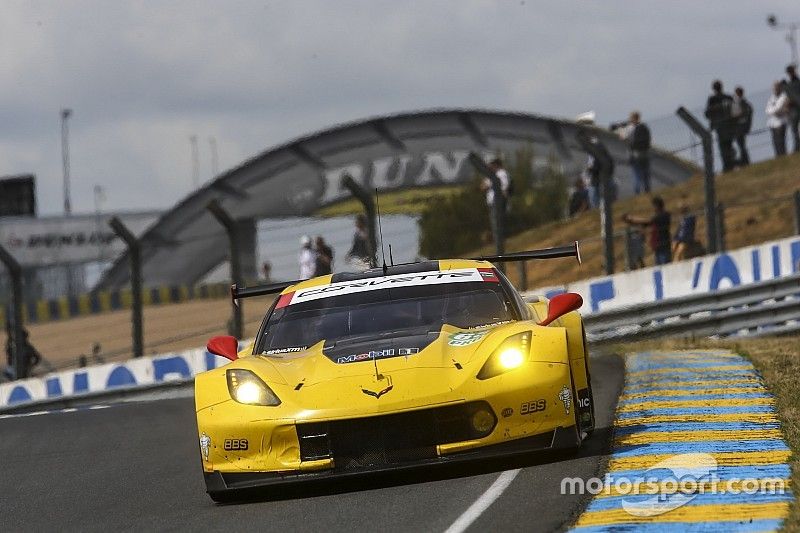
{"x": 617, "y": 125}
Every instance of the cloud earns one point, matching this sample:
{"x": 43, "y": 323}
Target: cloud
{"x": 141, "y": 77}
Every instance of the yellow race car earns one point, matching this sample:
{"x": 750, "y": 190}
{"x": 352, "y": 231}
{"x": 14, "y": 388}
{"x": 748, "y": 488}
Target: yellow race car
{"x": 395, "y": 367}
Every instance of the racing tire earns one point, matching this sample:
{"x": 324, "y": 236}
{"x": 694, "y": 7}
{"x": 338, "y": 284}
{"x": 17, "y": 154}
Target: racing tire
{"x": 588, "y": 429}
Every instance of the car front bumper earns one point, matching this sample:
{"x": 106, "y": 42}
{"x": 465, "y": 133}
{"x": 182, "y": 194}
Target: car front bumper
{"x": 561, "y": 438}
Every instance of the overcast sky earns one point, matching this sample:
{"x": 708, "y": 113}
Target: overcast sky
{"x": 142, "y": 77}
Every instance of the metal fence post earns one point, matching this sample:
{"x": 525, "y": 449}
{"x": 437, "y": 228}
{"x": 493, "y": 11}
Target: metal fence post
{"x": 362, "y": 195}
{"x": 19, "y": 354}
{"x": 134, "y": 251}
{"x": 797, "y": 212}
{"x": 231, "y": 229}
{"x": 597, "y": 150}
{"x": 523, "y": 276}
{"x": 721, "y": 227}
{"x": 708, "y": 160}
{"x": 498, "y": 206}
{"x": 628, "y": 251}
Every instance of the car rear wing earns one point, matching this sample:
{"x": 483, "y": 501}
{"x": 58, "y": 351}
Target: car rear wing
{"x": 259, "y": 290}
{"x": 572, "y": 250}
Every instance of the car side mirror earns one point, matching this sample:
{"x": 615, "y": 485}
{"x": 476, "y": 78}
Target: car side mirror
{"x": 560, "y": 305}
{"x": 224, "y": 345}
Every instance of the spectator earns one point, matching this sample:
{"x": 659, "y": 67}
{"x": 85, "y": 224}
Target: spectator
{"x": 307, "y": 258}
{"x": 659, "y": 225}
{"x": 592, "y": 173}
{"x": 496, "y": 166}
{"x": 684, "y": 242}
{"x": 30, "y": 354}
{"x": 360, "y": 250}
{"x": 718, "y": 113}
{"x": 637, "y": 134}
{"x": 793, "y": 94}
{"x": 742, "y": 113}
{"x": 324, "y": 264}
{"x": 8, "y": 371}
{"x": 97, "y": 350}
{"x": 635, "y": 249}
{"x": 266, "y": 271}
{"x": 591, "y": 179}
{"x": 777, "y": 117}
{"x": 579, "y": 199}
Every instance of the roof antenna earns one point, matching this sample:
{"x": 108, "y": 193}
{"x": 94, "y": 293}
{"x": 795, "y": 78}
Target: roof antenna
{"x": 380, "y": 231}
{"x": 391, "y": 259}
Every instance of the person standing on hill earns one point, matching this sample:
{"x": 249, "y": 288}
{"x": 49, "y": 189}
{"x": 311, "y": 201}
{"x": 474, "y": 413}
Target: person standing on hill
{"x": 637, "y": 135}
{"x": 266, "y": 272}
{"x": 778, "y": 117}
{"x": 496, "y": 166}
{"x": 792, "y": 89}
{"x": 718, "y": 113}
{"x": 684, "y": 243}
{"x": 360, "y": 253}
{"x": 742, "y": 113}
{"x": 579, "y": 199}
{"x": 659, "y": 225}
{"x": 307, "y": 258}
{"x": 593, "y": 170}
{"x": 324, "y": 264}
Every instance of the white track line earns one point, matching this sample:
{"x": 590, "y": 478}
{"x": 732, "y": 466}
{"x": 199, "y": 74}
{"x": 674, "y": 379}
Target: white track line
{"x": 481, "y": 504}
{"x": 55, "y": 411}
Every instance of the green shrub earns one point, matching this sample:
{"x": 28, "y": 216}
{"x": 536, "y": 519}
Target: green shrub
{"x": 452, "y": 225}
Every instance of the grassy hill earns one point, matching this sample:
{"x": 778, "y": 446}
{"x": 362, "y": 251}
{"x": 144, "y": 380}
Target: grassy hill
{"x": 758, "y": 208}
{"x": 409, "y": 201}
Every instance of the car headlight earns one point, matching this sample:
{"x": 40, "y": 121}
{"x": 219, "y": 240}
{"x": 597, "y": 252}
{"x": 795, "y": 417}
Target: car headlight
{"x": 245, "y": 387}
{"x": 511, "y": 354}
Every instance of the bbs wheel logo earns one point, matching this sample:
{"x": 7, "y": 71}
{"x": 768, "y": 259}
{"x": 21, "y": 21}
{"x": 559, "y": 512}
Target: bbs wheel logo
{"x": 235, "y": 444}
{"x": 532, "y": 407}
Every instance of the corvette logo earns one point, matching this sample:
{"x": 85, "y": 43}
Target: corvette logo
{"x": 381, "y": 392}
{"x": 434, "y": 277}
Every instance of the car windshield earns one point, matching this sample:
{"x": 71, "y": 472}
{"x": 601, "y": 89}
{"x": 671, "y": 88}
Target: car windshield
{"x": 385, "y": 312}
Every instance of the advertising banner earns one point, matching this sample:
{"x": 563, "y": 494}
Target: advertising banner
{"x": 142, "y": 372}
{"x": 695, "y": 276}
{"x": 36, "y": 242}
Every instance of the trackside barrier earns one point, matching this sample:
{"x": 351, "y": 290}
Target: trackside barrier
{"x": 699, "y": 276}
{"x": 764, "y": 308}
{"x": 141, "y": 373}
{"x": 104, "y": 301}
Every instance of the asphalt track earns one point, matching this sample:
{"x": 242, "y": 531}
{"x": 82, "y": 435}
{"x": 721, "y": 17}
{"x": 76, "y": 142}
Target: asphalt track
{"x": 135, "y": 466}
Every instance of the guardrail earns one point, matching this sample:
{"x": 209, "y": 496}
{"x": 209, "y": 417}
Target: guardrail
{"x": 764, "y": 308}
{"x": 75, "y": 386}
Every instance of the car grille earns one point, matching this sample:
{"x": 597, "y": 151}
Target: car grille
{"x": 388, "y": 439}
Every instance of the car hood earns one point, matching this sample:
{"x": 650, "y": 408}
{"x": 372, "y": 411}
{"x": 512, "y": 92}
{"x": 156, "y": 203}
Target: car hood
{"x": 452, "y": 349}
